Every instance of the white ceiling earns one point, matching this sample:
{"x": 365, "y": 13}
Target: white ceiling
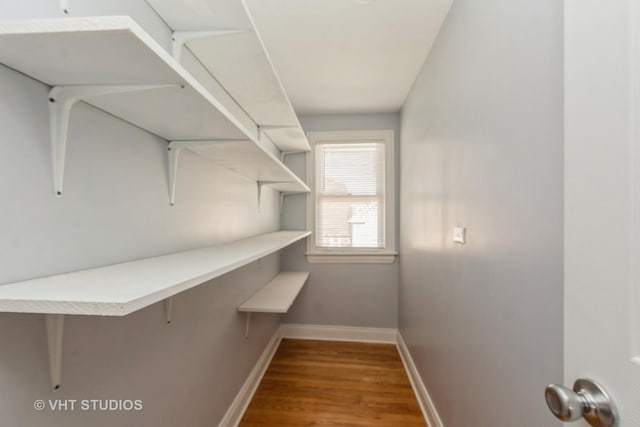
{"x": 348, "y": 56}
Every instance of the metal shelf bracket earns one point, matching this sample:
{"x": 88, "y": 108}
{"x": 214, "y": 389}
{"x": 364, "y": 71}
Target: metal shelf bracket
{"x": 262, "y": 184}
{"x": 283, "y": 154}
{"x": 247, "y": 324}
{"x": 61, "y": 101}
{"x": 175, "y": 149}
{"x": 168, "y": 308}
{"x": 55, "y": 333}
{"x": 64, "y": 7}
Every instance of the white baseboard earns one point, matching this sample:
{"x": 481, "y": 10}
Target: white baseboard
{"x": 239, "y": 405}
{"x": 426, "y": 404}
{"x": 339, "y": 333}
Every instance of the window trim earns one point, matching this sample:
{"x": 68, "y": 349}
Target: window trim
{"x": 384, "y": 255}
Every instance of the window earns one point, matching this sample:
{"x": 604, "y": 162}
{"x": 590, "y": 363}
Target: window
{"x": 351, "y": 207}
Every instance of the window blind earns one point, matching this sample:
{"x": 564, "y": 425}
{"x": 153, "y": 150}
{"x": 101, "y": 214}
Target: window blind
{"x": 350, "y": 195}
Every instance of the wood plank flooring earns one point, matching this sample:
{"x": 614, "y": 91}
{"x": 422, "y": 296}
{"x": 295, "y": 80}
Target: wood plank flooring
{"x": 329, "y": 383}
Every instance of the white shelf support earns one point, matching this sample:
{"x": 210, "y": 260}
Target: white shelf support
{"x": 174, "y": 150}
{"x": 247, "y": 324}
{"x": 61, "y": 101}
{"x": 262, "y": 184}
{"x": 174, "y": 156}
{"x": 64, "y": 7}
{"x": 55, "y": 333}
{"x": 180, "y": 38}
{"x": 259, "y": 184}
{"x": 168, "y": 308}
{"x": 286, "y": 153}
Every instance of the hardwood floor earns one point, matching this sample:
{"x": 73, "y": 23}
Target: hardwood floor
{"x": 320, "y": 383}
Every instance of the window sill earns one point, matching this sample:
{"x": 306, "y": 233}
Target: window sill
{"x": 353, "y": 258}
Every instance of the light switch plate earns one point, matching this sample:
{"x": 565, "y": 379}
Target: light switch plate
{"x": 460, "y": 235}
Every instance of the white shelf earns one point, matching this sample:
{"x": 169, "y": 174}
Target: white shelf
{"x": 222, "y": 35}
{"x": 241, "y": 158}
{"x": 120, "y": 289}
{"x": 278, "y": 295}
{"x": 78, "y": 55}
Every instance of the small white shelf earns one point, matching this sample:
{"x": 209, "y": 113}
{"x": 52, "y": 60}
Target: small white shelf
{"x": 222, "y": 35}
{"x": 111, "y": 63}
{"x": 120, "y": 289}
{"x": 278, "y": 295}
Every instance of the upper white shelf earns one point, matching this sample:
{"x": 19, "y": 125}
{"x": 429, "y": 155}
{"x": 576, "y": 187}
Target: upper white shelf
{"x": 120, "y": 289}
{"x": 222, "y": 35}
{"x": 115, "y": 51}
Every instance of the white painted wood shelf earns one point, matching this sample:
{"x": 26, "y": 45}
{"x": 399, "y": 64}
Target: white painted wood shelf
{"x": 223, "y": 36}
{"x": 120, "y": 289}
{"x": 277, "y": 296}
{"x": 112, "y": 64}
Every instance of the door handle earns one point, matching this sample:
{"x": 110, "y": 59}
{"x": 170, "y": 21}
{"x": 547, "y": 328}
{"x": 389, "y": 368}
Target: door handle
{"x": 587, "y": 400}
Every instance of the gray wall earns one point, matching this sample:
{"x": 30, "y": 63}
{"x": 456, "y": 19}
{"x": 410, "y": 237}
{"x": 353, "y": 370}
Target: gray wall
{"x": 482, "y": 148}
{"x": 116, "y": 208}
{"x": 339, "y": 294}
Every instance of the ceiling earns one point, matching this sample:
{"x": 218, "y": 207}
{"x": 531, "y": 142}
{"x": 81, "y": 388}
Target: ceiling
{"x": 348, "y": 56}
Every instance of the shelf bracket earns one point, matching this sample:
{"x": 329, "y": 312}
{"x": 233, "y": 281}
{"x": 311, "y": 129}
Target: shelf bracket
{"x": 175, "y": 149}
{"x": 64, "y": 7}
{"x": 247, "y": 324}
{"x": 262, "y": 184}
{"x": 61, "y": 101}
{"x": 168, "y": 308}
{"x": 55, "y": 333}
{"x": 180, "y": 38}
{"x": 282, "y": 196}
{"x": 283, "y": 154}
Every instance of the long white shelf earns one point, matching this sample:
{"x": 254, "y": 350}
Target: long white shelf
{"x": 278, "y": 295}
{"x": 111, "y": 63}
{"x": 120, "y": 289}
{"x": 222, "y": 35}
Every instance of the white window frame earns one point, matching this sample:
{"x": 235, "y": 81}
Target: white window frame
{"x": 384, "y": 255}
